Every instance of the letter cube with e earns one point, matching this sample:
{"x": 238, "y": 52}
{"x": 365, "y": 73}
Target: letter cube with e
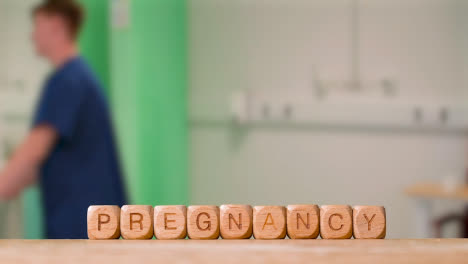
{"x": 203, "y": 222}
{"x": 269, "y": 222}
{"x": 136, "y": 222}
{"x": 369, "y": 222}
{"x": 336, "y": 222}
{"x": 236, "y": 221}
{"x": 170, "y": 222}
{"x": 303, "y": 221}
{"x": 103, "y": 222}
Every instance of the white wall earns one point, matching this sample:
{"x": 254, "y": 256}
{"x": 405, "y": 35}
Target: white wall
{"x": 21, "y": 75}
{"x": 273, "y": 47}
{"x": 21, "y": 72}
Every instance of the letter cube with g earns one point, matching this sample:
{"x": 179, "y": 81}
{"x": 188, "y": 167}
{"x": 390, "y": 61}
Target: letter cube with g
{"x": 203, "y": 222}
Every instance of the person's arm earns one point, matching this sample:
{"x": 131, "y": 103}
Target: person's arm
{"x": 21, "y": 170}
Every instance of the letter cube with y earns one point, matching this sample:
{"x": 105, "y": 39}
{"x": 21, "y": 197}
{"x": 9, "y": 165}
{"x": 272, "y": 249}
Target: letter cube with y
{"x": 103, "y": 222}
{"x": 203, "y": 222}
{"x": 369, "y": 222}
{"x": 170, "y": 222}
{"x": 269, "y": 222}
{"x": 236, "y": 221}
{"x": 336, "y": 222}
{"x": 303, "y": 221}
{"x": 136, "y": 222}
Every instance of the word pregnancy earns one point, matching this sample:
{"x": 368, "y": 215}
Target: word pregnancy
{"x": 236, "y": 222}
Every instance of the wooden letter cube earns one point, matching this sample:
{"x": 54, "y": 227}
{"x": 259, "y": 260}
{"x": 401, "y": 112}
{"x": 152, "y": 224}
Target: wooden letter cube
{"x": 136, "y": 222}
{"x": 236, "y": 221}
{"x": 103, "y": 222}
{"x": 336, "y": 222}
{"x": 369, "y": 222}
{"x": 269, "y": 222}
{"x": 303, "y": 221}
{"x": 170, "y": 222}
{"x": 203, "y": 222}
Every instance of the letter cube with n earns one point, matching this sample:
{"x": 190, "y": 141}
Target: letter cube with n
{"x": 103, "y": 222}
{"x": 170, "y": 222}
{"x": 136, "y": 222}
{"x": 303, "y": 221}
{"x": 369, "y": 222}
{"x": 269, "y": 222}
{"x": 236, "y": 221}
{"x": 203, "y": 222}
{"x": 336, "y": 222}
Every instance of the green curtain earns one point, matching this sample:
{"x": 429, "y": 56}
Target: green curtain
{"x": 149, "y": 98}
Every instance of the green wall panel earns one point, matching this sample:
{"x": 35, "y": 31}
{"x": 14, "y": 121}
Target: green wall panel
{"x": 124, "y": 104}
{"x": 94, "y": 39}
{"x": 149, "y": 86}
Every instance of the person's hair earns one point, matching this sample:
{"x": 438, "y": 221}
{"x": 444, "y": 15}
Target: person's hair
{"x": 69, "y": 10}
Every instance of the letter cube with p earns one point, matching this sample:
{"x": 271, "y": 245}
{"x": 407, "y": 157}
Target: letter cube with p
{"x": 103, "y": 222}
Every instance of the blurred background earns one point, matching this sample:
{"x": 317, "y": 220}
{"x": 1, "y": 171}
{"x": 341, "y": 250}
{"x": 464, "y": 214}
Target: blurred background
{"x": 360, "y": 102}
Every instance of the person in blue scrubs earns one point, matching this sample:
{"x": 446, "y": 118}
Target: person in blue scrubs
{"x": 71, "y": 148}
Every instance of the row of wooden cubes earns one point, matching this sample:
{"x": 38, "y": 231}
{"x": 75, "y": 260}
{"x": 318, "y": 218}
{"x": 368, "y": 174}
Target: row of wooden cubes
{"x": 236, "y": 222}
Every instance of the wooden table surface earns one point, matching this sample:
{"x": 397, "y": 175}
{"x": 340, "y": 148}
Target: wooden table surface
{"x": 235, "y": 251}
{"x": 435, "y": 190}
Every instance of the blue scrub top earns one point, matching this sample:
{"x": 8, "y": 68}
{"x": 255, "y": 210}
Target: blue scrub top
{"x": 83, "y": 167}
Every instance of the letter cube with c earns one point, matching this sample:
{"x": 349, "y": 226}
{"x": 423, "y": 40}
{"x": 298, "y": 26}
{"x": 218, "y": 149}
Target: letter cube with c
{"x": 203, "y": 222}
{"x": 336, "y": 222}
{"x": 103, "y": 222}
